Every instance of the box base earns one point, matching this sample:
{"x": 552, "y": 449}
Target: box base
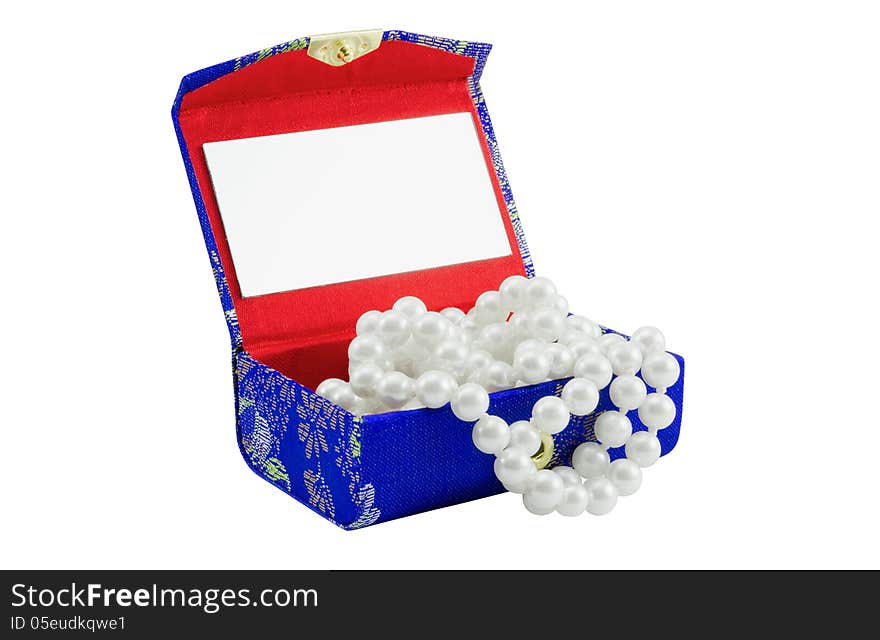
{"x": 360, "y": 471}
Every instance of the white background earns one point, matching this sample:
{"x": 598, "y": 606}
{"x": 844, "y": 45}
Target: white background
{"x": 711, "y": 168}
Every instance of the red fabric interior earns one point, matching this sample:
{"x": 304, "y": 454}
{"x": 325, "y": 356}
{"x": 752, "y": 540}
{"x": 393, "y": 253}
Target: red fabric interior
{"x": 303, "y": 333}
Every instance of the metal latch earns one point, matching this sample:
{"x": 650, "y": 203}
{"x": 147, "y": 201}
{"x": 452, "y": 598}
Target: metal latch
{"x": 337, "y": 49}
{"x": 544, "y": 454}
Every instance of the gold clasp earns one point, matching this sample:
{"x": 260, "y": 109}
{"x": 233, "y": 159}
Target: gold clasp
{"x": 337, "y": 49}
{"x": 545, "y": 452}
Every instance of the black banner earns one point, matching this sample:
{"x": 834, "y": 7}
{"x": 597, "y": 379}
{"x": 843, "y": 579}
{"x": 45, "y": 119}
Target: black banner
{"x": 284, "y": 603}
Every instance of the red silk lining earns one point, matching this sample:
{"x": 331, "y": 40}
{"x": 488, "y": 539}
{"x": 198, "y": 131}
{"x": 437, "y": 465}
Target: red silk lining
{"x": 303, "y": 333}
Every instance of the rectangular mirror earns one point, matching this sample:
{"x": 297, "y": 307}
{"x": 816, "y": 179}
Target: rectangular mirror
{"x": 333, "y": 205}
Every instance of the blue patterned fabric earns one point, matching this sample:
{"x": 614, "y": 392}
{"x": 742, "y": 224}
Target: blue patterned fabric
{"x": 359, "y": 471}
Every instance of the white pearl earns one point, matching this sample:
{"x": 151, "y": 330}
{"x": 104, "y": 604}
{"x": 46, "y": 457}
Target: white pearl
{"x": 450, "y": 354}
{"x": 581, "y": 396}
{"x": 590, "y": 460}
{"x": 515, "y": 469}
{"x": 540, "y": 292}
{"x": 602, "y": 496}
{"x": 474, "y": 363}
{"x": 435, "y": 388}
{"x": 453, "y": 314}
{"x": 612, "y": 429}
{"x": 478, "y": 358}
{"x": 328, "y": 385}
{"x": 561, "y": 360}
{"x": 364, "y": 377}
{"x": 606, "y": 341}
{"x": 550, "y": 414}
{"x": 408, "y": 357}
{"x": 579, "y": 322}
{"x": 657, "y": 411}
{"x": 455, "y": 333}
{"x": 410, "y": 306}
{"x": 531, "y": 505}
{"x": 595, "y": 367}
{"x": 528, "y": 345}
{"x": 470, "y": 402}
{"x": 583, "y": 346}
{"x": 343, "y": 395}
{"x": 545, "y": 490}
{"x": 521, "y": 487}
{"x": 394, "y": 328}
{"x": 357, "y": 405}
{"x": 412, "y": 404}
{"x": 574, "y": 500}
{"x": 375, "y": 407}
{"x": 367, "y": 348}
{"x": 569, "y": 476}
{"x": 626, "y": 475}
{"x": 494, "y": 338}
{"x": 643, "y": 448}
{"x": 627, "y": 392}
{"x": 519, "y": 327}
{"x": 660, "y": 369}
{"x": 368, "y": 322}
{"x": 525, "y": 436}
{"x": 470, "y": 328}
{"x": 491, "y": 434}
{"x": 418, "y": 367}
{"x": 649, "y": 339}
{"x": 429, "y": 329}
{"x": 395, "y": 389}
{"x": 363, "y": 406}
{"x": 533, "y": 366}
{"x": 489, "y": 309}
{"x": 546, "y": 324}
{"x": 513, "y": 293}
{"x": 560, "y": 303}
{"x": 625, "y": 358}
{"x": 584, "y": 325}
{"x": 497, "y": 376}
{"x": 571, "y": 336}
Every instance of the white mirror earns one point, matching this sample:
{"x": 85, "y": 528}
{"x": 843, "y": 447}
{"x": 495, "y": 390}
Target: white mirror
{"x": 333, "y": 205}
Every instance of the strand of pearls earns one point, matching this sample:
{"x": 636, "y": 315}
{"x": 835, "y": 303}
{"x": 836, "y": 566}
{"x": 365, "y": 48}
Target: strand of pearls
{"x": 408, "y": 357}
{"x": 593, "y": 483}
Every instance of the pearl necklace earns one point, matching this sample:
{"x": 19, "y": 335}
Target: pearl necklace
{"x": 409, "y": 357}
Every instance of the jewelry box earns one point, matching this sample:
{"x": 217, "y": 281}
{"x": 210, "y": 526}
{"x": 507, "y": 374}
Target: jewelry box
{"x": 290, "y": 153}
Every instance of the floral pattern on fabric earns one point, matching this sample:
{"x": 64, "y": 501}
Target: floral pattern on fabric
{"x": 287, "y": 431}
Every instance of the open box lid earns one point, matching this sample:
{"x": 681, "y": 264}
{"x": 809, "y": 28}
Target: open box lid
{"x": 258, "y": 136}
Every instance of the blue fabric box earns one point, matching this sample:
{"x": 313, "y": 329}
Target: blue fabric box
{"x": 359, "y": 471}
